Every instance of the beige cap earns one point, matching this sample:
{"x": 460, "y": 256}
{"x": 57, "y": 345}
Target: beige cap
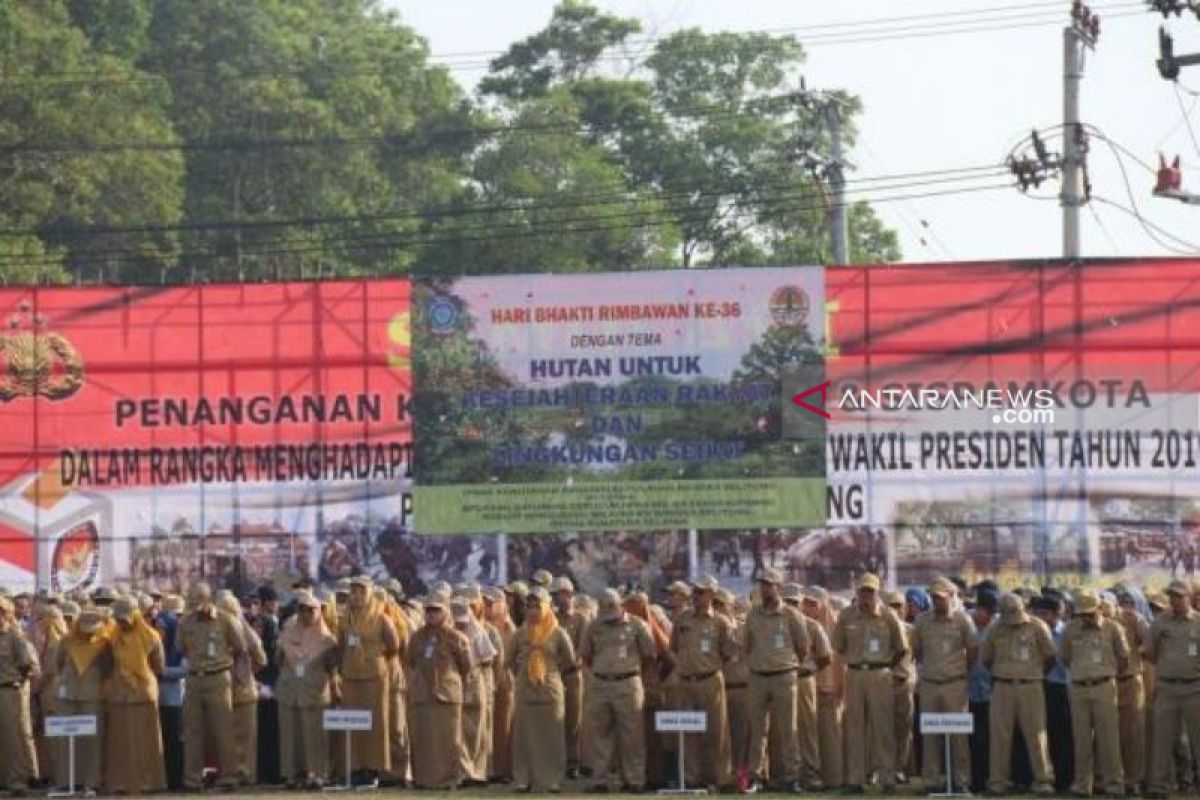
{"x": 770, "y": 575}
{"x": 91, "y": 620}
{"x": 609, "y": 602}
{"x": 342, "y": 586}
{"x": 1010, "y": 605}
{"x": 70, "y": 609}
{"x": 123, "y": 609}
{"x": 869, "y": 580}
{"x": 362, "y": 580}
{"x": 1086, "y": 601}
{"x": 306, "y": 599}
{"x": 816, "y": 594}
{"x": 469, "y": 592}
{"x": 518, "y": 588}
{"x": 792, "y": 591}
{"x": 724, "y": 596}
{"x": 395, "y": 587}
{"x": 173, "y": 604}
{"x": 679, "y": 587}
{"x": 562, "y": 584}
{"x": 199, "y": 594}
{"x": 540, "y": 594}
{"x": 941, "y": 587}
{"x": 542, "y": 578}
{"x": 706, "y": 583}
{"x": 893, "y": 599}
{"x": 1178, "y": 587}
{"x": 492, "y": 593}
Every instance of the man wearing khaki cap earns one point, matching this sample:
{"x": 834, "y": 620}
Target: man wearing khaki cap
{"x": 18, "y": 665}
{"x": 820, "y": 655}
{"x": 1174, "y": 649}
{"x": 1018, "y": 650}
{"x": 944, "y": 648}
{"x": 1094, "y": 651}
{"x": 904, "y": 686}
{"x": 870, "y": 639}
{"x": 615, "y": 648}
{"x": 775, "y": 645}
{"x": 703, "y": 643}
{"x": 573, "y": 621}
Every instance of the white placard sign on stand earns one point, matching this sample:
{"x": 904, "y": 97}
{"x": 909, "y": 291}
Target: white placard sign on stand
{"x": 347, "y": 720}
{"x": 957, "y": 723}
{"x": 70, "y": 727}
{"x": 683, "y": 723}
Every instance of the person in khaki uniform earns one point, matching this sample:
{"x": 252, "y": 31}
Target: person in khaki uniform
{"x": 904, "y": 685}
{"x": 737, "y": 676}
{"x": 209, "y": 640}
{"x": 307, "y": 657}
{"x": 477, "y": 701}
{"x": 245, "y": 692}
{"x": 871, "y": 640}
{"x": 439, "y": 667}
{"x": 703, "y": 643}
{"x": 1018, "y": 650}
{"x": 541, "y": 652}
{"x": 573, "y": 622}
{"x": 1094, "y": 651}
{"x": 138, "y": 659}
{"x": 831, "y": 687}
{"x": 366, "y": 641}
{"x": 614, "y": 649}
{"x": 775, "y": 645}
{"x": 1174, "y": 649}
{"x": 820, "y": 655}
{"x": 52, "y": 629}
{"x": 943, "y": 642}
{"x": 1131, "y": 694}
{"x": 496, "y": 612}
{"x": 18, "y": 666}
{"x": 80, "y": 672}
{"x": 398, "y": 740}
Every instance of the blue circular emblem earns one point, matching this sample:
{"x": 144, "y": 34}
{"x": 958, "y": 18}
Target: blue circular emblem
{"x": 442, "y": 314}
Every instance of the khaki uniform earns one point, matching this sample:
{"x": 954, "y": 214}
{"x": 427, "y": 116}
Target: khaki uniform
{"x": 302, "y": 693}
{"x": 133, "y": 717}
{"x": 1174, "y": 647}
{"x": 1131, "y": 699}
{"x": 18, "y": 663}
{"x": 1092, "y": 654}
{"x": 367, "y": 643}
{"x": 398, "y": 705}
{"x": 244, "y": 689}
{"x": 539, "y": 745}
{"x": 502, "y": 711}
{"x": 614, "y": 652}
{"x": 439, "y": 667}
{"x": 209, "y": 641}
{"x": 574, "y": 624}
{"x": 870, "y": 643}
{"x": 737, "y": 702}
{"x": 831, "y": 689}
{"x": 78, "y": 693}
{"x": 775, "y": 644}
{"x": 941, "y": 646}
{"x": 807, "y": 721}
{"x": 1016, "y": 652}
{"x": 904, "y": 685}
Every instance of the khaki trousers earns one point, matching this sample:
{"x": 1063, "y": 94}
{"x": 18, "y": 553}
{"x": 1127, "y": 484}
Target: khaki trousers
{"x": 473, "y": 721}
{"x": 1131, "y": 710}
{"x": 208, "y": 715}
{"x": 772, "y": 708}
{"x": 737, "y": 705}
{"x": 829, "y": 738}
{"x": 707, "y": 753}
{"x": 806, "y": 732}
{"x": 870, "y": 723}
{"x": 398, "y": 733}
{"x": 245, "y": 742}
{"x": 902, "y": 707}
{"x": 615, "y": 723}
{"x": 303, "y": 749}
{"x": 502, "y": 721}
{"x": 1176, "y": 711}
{"x": 573, "y": 709}
{"x": 1021, "y": 704}
{"x": 19, "y": 762}
{"x": 943, "y": 698}
{"x": 1094, "y": 714}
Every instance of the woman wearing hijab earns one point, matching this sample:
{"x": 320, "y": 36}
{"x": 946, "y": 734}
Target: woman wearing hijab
{"x": 398, "y": 738}
{"x": 541, "y": 652}
{"x": 307, "y": 657}
{"x": 638, "y": 604}
{"x": 496, "y": 612}
{"x": 439, "y": 663}
{"x": 245, "y": 694}
{"x": 81, "y": 668}
{"x": 477, "y": 700}
{"x": 170, "y": 690}
{"x": 133, "y": 705}
{"x": 366, "y": 641}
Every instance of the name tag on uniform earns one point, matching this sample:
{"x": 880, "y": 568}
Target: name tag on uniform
{"x": 622, "y": 652}
{"x": 947, "y": 646}
{"x": 705, "y": 646}
{"x": 1097, "y": 657}
{"x": 429, "y": 650}
{"x": 211, "y": 650}
{"x": 1192, "y": 649}
{"x": 352, "y": 640}
{"x": 299, "y": 670}
{"x": 1023, "y": 653}
{"x": 62, "y": 691}
{"x": 780, "y": 644}
{"x": 873, "y": 646}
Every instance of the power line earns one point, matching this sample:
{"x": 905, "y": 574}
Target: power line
{"x": 630, "y": 221}
{"x": 1187, "y": 118}
{"x": 1155, "y": 232}
{"x": 621, "y": 194}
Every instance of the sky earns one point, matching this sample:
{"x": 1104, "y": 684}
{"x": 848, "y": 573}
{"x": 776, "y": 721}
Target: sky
{"x": 934, "y": 102}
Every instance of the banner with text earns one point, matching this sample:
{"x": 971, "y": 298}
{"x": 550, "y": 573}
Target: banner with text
{"x": 619, "y": 401}
{"x": 159, "y": 435}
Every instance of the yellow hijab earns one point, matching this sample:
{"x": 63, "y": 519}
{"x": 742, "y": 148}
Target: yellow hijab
{"x": 131, "y": 651}
{"x": 539, "y": 634}
{"x": 83, "y": 647}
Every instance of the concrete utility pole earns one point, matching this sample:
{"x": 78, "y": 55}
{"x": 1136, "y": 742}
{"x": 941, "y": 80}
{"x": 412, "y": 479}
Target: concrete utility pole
{"x": 1080, "y": 34}
{"x": 831, "y": 169}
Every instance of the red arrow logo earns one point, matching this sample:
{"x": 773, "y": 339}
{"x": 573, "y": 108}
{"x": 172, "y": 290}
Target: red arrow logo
{"x": 798, "y": 399}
